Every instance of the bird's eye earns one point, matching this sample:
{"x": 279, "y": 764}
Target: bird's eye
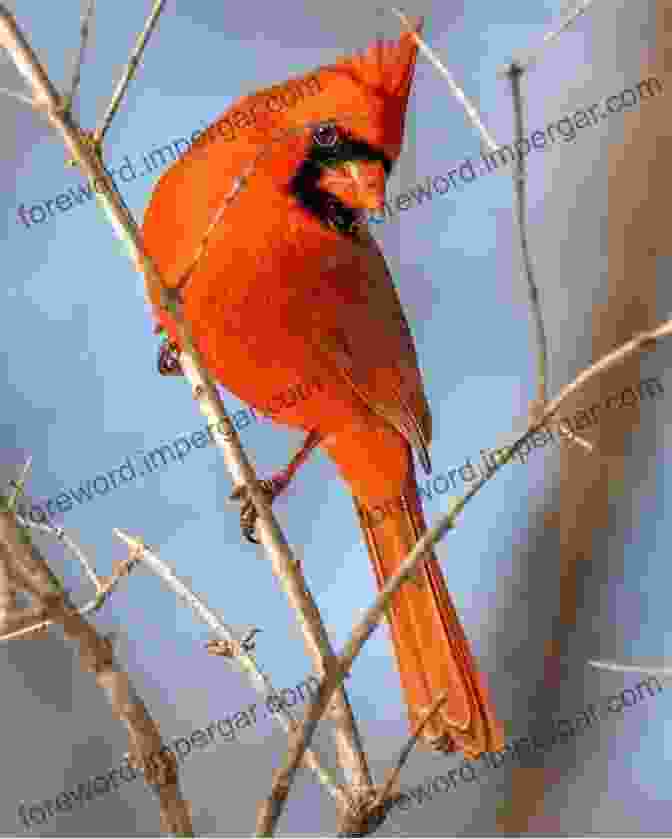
{"x": 326, "y": 135}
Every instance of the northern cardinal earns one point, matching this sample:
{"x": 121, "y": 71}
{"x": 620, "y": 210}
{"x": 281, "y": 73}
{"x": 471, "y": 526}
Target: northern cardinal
{"x": 290, "y": 288}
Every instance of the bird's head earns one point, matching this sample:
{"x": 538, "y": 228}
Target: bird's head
{"x": 354, "y": 130}
{"x": 326, "y": 141}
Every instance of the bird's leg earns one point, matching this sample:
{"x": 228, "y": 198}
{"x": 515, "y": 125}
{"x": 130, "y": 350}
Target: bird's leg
{"x": 272, "y": 487}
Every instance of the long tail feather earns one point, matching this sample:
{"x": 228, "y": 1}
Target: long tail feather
{"x": 432, "y": 652}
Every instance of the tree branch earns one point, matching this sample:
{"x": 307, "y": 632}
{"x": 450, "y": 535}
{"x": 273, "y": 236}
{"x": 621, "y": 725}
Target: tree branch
{"x": 457, "y": 91}
{"x": 405, "y": 753}
{"x": 129, "y": 72}
{"x": 9, "y": 608}
{"x": 26, "y": 100}
{"x": 520, "y": 214}
{"x": 664, "y": 672}
{"x": 60, "y": 534}
{"x": 26, "y": 626}
{"x": 528, "y": 60}
{"x": 97, "y": 657}
{"x": 79, "y": 57}
{"x": 238, "y": 651}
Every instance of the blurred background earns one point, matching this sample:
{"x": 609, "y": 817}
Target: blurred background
{"x": 539, "y": 579}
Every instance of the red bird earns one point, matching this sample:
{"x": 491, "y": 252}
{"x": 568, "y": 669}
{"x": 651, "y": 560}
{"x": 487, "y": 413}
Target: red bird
{"x": 288, "y": 289}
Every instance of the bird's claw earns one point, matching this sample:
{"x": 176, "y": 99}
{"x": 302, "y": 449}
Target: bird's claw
{"x": 248, "y": 514}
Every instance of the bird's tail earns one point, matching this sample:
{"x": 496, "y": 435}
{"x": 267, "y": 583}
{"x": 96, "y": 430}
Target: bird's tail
{"x": 433, "y": 654}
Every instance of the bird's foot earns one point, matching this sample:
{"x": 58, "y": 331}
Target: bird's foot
{"x": 248, "y": 515}
{"x": 168, "y": 361}
{"x": 443, "y": 743}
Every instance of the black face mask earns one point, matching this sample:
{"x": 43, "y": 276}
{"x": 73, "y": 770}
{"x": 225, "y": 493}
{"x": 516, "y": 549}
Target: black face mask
{"x": 330, "y": 147}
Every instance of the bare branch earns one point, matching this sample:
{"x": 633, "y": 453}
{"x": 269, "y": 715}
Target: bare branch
{"x": 26, "y": 100}
{"x": 663, "y": 672}
{"x": 408, "y": 748}
{"x": 26, "y": 62}
{"x": 19, "y": 486}
{"x": 27, "y": 626}
{"x": 129, "y": 72}
{"x": 528, "y": 59}
{"x": 235, "y": 648}
{"x": 9, "y": 608}
{"x": 97, "y": 657}
{"x": 28, "y": 568}
{"x": 79, "y": 57}
{"x": 60, "y": 534}
{"x": 520, "y": 213}
{"x": 457, "y": 91}
{"x": 643, "y": 341}
{"x": 580, "y": 441}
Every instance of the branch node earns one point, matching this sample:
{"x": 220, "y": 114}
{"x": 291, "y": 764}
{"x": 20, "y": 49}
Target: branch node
{"x": 511, "y": 70}
{"x": 222, "y": 647}
{"x": 246, "y": 641}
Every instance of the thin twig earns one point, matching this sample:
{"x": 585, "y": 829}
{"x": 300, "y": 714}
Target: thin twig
{"x": 129, "y": 72}
{"x": 28, "y": 624}
{"x": 457, "y": 91}
{"x": 79, "y": 57}
{"x": 259, "y": 679}
{"x": 642, "y": 341}
{"x": 97, "y": 657}
{"x": 575, "y": 438}
{"x": 9, "y": 608}
{"x": 271, "y": 809}
{"x": 19, "y": 486}
{"x": 26, "y": 100}
{"x": 405, "y": 753}
{"x": 28, "y": 568}
{"x": 60, "y": 534}
{"x": 530, "y": 58}
{"x": 520, "y": 214}
{"x": 664, "y": 672}
{"x": 29, "y": 619}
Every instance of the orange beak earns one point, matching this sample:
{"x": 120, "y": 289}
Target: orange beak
{"x": 358, "y": 183}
